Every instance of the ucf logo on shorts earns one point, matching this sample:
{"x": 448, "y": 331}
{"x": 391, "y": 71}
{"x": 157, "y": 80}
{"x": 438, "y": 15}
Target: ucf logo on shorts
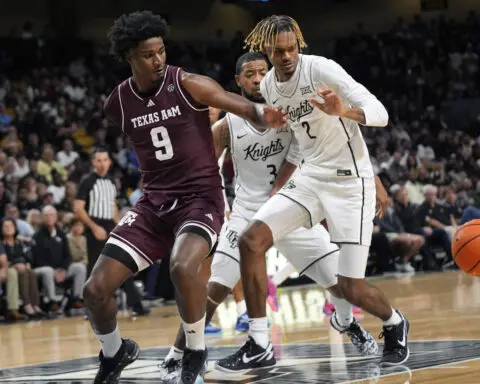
{"x": 232, "y": 237}
{"x": 290, "y": 185}
{"x": 128, "y": 218}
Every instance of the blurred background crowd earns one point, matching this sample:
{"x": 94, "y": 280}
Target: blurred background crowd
{"x": 426, "y": 72}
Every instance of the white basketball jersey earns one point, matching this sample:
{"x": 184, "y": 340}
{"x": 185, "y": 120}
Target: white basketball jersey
{"x": 331, "y": 147}
{"x": 257, "y": 157}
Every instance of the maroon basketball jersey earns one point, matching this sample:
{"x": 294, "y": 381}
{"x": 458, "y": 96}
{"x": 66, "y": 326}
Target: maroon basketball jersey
{"x": 171, "y": 135}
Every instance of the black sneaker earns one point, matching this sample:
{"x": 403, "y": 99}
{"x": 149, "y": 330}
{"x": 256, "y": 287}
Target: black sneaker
{"x": 250, "y": 356}
{"x": 360, "y": 338}
{"x": 111, "y": 368}
{"x": 193, "y": 364}
{"x": 170, "y": 369}
{"x": 395, "y": 349}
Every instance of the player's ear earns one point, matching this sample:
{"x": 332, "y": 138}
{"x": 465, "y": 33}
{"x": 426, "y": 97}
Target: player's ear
{"x": 128, "y": 57}
{"x": 237, "y": 80}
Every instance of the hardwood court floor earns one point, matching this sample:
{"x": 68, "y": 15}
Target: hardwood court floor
{"x": 443, "y": 310}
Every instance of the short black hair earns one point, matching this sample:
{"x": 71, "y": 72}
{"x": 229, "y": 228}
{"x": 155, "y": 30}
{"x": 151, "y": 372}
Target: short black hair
{"x": 99, "y": 149}
{"x": 246, "y": 58}
{"x": 129, "y": 30}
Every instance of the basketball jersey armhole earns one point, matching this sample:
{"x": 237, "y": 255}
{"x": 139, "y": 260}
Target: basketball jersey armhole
{"x": 122, "y": 124}
{"x": 186, "y": 96}
{"x": 230, "y": 130}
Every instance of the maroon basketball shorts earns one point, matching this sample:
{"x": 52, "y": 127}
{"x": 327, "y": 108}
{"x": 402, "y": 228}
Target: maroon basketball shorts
{"x": 147, "y": 233}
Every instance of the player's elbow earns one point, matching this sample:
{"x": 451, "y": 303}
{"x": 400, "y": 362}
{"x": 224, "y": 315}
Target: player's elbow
{"x": 376, "y": 114}
{"x": 383, "y": 116}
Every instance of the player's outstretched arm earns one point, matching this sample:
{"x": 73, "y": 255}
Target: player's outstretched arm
{"x": 208, "y": 92}
{"x": 339, "y": 94}
{"x": 221, "y": 136}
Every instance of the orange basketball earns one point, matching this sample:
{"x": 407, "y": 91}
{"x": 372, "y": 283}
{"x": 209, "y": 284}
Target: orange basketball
{"x": 466, "y": 247}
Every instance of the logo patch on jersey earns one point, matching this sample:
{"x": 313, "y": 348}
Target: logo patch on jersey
{"x": 150, "y": 103}
{"x": 209, "y": 215}
{"x": 240, "y": 136}
{"x": 296, "y": 113}
{"x": 344, "y": 172}
{"x": 170, "y": 88}
{"x": 306, "y": 90}
{"x": 155, "y": 117}
{"x": 128, "y": 219}
{"x": 232, "y": 237}
{"x": 259, "y": 152}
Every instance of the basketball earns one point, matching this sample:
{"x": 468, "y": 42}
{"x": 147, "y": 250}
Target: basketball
{"x": 466, "y": 247}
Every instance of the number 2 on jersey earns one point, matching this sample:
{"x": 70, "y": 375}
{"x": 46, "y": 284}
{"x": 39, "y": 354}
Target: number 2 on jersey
{"x": 161, "y": 140}
{"x": 273, "y": 172}
{"x": 307, "y": 127}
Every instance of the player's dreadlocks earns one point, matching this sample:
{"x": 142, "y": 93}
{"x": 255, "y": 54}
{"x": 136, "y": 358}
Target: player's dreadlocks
{"x": 129, "y": 30}
{"x": 267, "y": 30}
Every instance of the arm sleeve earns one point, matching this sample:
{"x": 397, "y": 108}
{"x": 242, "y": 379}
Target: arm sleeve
{"x": 330, "y": 74}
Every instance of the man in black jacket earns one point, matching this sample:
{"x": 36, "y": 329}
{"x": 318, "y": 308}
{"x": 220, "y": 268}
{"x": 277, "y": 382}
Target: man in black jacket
{"x": 52, "y": 260}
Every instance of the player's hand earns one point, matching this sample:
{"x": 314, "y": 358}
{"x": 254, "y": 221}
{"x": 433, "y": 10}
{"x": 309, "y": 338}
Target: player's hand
{"x": 274, "y": 117}
{"x": 328, "y": 102}
{"x": 383, "y": 202}
{"x": 273, "y": 191}
{"x": 99, "y": 233}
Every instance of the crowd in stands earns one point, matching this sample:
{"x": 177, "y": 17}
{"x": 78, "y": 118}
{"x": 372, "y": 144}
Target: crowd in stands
{"x": 51, "y": 116}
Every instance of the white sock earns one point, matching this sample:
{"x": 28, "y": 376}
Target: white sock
{"x": 174, "y": 353}
{"x": 395, "y": 319}
{"x": 194, "y": 333}
{"x": 280, "y": 276}
{"x": 111, "y": 342}
{"x": 241, "y": 308}
{"x": 343, "y": 311}
{"x": 328, "y": 296}
{"x": 258, "y": 330}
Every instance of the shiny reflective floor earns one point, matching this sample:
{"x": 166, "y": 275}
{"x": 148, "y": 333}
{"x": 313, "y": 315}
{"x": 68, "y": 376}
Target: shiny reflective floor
{"x": 443, "y": 310}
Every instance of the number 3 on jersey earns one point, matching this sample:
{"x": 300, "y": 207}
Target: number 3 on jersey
{"x": 273, "y": 172}
{"x": 161, "y": 140}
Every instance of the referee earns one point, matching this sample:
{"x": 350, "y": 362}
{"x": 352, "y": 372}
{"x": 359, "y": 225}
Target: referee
{"x": 96, "y": 207}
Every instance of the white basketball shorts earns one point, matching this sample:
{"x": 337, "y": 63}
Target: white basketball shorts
{"x": 308, "y": 250}
{"x": 347, "y": 205}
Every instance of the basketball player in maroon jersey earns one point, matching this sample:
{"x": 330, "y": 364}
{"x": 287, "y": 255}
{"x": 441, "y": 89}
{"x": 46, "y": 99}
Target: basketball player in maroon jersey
{"x": 164, "y": 112}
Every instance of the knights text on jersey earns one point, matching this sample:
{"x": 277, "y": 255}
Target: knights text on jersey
{"x": 257, "y": 157}
{"x": 331, "y": 147}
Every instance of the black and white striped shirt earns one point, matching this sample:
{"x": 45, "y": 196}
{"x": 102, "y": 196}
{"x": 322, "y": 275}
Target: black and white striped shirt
{"x": 99, "y": 194}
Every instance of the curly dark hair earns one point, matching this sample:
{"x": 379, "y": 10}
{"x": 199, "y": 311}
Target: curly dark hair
{"x": 129, "y": 30}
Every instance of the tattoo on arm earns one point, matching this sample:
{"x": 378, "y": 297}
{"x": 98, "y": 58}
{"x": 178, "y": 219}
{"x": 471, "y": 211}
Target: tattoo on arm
{"x": 225, "y": 135}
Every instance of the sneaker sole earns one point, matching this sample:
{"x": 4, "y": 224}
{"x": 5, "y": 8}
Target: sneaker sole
{"x": 226, "y": 370}
{"x": 388, "y": 364}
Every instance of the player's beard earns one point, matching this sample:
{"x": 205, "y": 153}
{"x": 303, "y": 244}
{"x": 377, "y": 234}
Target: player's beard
{"x": 252, "y": 98}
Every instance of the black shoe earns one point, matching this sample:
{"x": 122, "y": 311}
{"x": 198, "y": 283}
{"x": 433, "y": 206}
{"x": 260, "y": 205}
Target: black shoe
{"x": 250, "y": 356}
{"x": 111, "y": 368}
{"x": 395, "y": 349}
{"x": 193, "y": 364}
{"x": 170, "y": 369}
